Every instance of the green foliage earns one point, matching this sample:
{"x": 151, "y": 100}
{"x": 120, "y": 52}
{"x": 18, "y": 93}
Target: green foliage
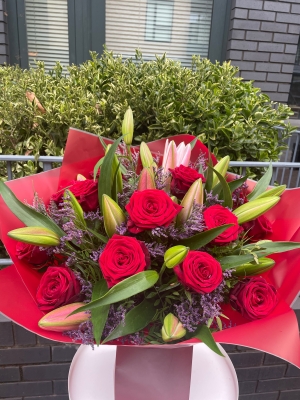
{"x": 209, "y": 101}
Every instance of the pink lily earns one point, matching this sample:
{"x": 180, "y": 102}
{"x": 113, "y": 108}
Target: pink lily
{"x": 175, "y": 156}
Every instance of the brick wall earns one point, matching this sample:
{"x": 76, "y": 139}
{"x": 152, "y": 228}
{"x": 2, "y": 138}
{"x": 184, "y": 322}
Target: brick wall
{"x": 263, "y": 40}
{"x": 32, "y": 368}
{"x": 3, "y": 34}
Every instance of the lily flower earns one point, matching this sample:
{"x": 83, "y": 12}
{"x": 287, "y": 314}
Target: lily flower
{"x": 175, "y": 156}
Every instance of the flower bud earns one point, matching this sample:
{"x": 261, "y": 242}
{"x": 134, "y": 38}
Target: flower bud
{"x": 146, "y": 156}
{"x": 78, "y": 211}
{"x": 146, "y": 179}
{"x": 116, "y": 170}
{"x": 80, "y": 177}
{"x": 249, "y": 269}
{"x": 193, "y": 196}
{"x": 174, "y": 199}
{"x": 276, "y": 191}
{"x": 36, "y": 235}
{"x": 175, "y": 255}
{"x": 221, "y": 167}
{"x": 172, "y": 329}
{"x": 58, "y": 320}
{"x": 255, "y": 208}
{"x": 127, "y": 127}
{"x": 170, "y": 156}
{"x": 112, "y": 214}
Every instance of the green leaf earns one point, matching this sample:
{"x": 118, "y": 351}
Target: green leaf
{"x": 262, "y": 184}
{"x": 105, "y": 181}
{"x": 203, "y": 333}
{"x": 123, "y": 290}
{"x": 26, "y": 214}
{"x": 225, "y": 188}
{"x": 76, "y": 208}
{"x": 209, "y": 176}
{"x": 135, "y": 320}
{"x": 233, "y": 185}
{"x": 97, "y": 166}
{"x": 203, "y": 238}
{"x": 98, "y": 235}
{"x": 99, "y": 316}
{"x": 193, "y": 143}
{"x": 267, "y": 248}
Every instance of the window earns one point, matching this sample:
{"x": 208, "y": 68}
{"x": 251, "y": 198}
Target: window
{"x": 294, "y": 97}
{"x": 159, "y": 21}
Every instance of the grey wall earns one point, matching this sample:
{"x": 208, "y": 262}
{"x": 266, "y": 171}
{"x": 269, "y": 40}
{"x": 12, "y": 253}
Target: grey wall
{"x": 3, "y": 34}
{"x": 263, "y": 42}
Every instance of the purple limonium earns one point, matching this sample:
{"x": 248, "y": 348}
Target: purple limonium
{"x": 212, "y": 199}
{"x": 199, "y": 163}
{"x": 84, "y": 334}
{"x": 86, "y": 287}
{"x": 97, "y": 253}
{"x": 238, "y": 195}
{"x": 93, "y": 215}
{"x": 116, "y": 316}
{"x": 161, "y": 178}
{"x": 156, "y": 250}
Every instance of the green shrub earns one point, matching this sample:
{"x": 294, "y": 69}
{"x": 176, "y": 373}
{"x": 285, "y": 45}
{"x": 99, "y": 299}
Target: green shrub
{"x": 208, "y": 100}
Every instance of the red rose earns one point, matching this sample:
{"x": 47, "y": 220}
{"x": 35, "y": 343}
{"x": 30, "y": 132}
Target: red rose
{"x": 57, "y": 287}
{"x": 218, "y": 215}
{"x": 31, "y": 254}
{"x": 258, "y": 229}
{"x": 86, "y": 192}
{"x": 254, "y": 298}
{"x": 183, "y": 177}
{"x": 200, "y": 272}
{"x": 150, "y": 209}
{"x": 122, "y": 257}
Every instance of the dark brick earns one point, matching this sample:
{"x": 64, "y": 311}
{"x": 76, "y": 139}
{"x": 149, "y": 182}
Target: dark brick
{"x": 248, "y": 25}
{"x": 234, "y": 55}
{"x": 256, "y": 56}
{"x": 284, "y": 58}
{"x": 244, "y": 65}
{"x": 272, "y": 47}
{"x": 294, "y": 29}
{"x": 260, "y": 396}
{"x": 229, "y": 348}
{"x": 255, "y": 76}
{"x": 24, "y": 356}
{"x": 247, "y": 387}
{"x": 43, "y": 340}
{"x": 243, "y": 348}
{"x": 23, "y": 337}
{"x": 236, "y": 34}
{"x": 290, "y": 48}
{"x": 281, "y": 97}
{"x": 259, "y": 36}
{"x": 272, "y": 371}
{"x": 3, "y": 49}
{"x": 262, "y": 15}
{"x": 295, "y": 9}
{"x": 287, "y": 68}
{"x": 62, "y": 397}
{"x": 269, "y": 67}
{"x": 45, "y": 372}
{"x": 3, "y": 59}
{"x": 63, "y": 353}
{"x": 273, "y": 27}
{"x": 284, "y": 87}
{"x": 247, "y": 374}
{"x": 240, "y": 13}
{"x": 249, "y": 359}
{"x": 279, "y": 77}
{"x": 290, "y": 395}
{"x": 25, "y": 389}
{"x": 242, "y": 45}
{"x": 60, "y": 387}
{"x": 271, "y": 360}
{"x": 285, "y": 37}
{"x": 252, "y": 4}
{"x": 289, "y": 18}
{"x": 292, "y": 371}
{"x": 6, "y": 334}
{"x": 275, "y": 6}
{"x": 9, "y": 374}
{"x": 266, "y": 86}
{"x": 278, "y": 384}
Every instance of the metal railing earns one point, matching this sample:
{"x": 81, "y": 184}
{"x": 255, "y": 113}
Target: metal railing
{"x": 286, "y": 171}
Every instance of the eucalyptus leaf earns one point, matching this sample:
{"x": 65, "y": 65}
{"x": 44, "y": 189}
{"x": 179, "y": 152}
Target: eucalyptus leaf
{"x": 262, "y": 184}
{"x": 135, "y": 320}
{"x": 26, "y": 214}
{"x": 99, "y": 315}
{"x": 203, "y": 333}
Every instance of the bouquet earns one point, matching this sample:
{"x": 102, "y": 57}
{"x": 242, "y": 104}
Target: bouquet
{"x": 150, "y": 245}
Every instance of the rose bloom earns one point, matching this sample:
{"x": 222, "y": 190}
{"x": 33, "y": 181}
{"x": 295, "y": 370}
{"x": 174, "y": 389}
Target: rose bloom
{"x": 254, "y": 298}
{"x": 200, "y": 272}
{"x": 86, "y": 192}
{"x": 182, "y": 179}
{"x": 31, "y": 254}
{"x": 122, "y": 257}
{"x": 258, "y": 229}
{"x": 150, "y": 209}
{"x": 57, "y": 287}
{"x": 217, "y": 215}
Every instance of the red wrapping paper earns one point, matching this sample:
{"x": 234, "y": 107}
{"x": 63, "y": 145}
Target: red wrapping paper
{"x": 277, "y": 334}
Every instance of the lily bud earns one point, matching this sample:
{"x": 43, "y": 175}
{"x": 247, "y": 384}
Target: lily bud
{"x": 36, "y": 235}
{"x": 58, "y": 320}
{"x": 172, "y": 329}
{"x": 193, "y": 196}
{"x": 112, "y": 214}
{"x": 221, "y": 167}
{"x": 80, "y": 177}
{"x": 127, "y": 127}
{"x": 253, "y": 209}
{"x": 78, "y": 211}
{"x": 170, "y": 156}
{"x": 146, "y": 179}
{"x": 116, "y": 170}
{"x": 276, "y": 191}
{"x": 249, "y": 269}
{"x": 175, "y": 255}
{"x": 174, "y": 199}
{"x": 146, "y": 156}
